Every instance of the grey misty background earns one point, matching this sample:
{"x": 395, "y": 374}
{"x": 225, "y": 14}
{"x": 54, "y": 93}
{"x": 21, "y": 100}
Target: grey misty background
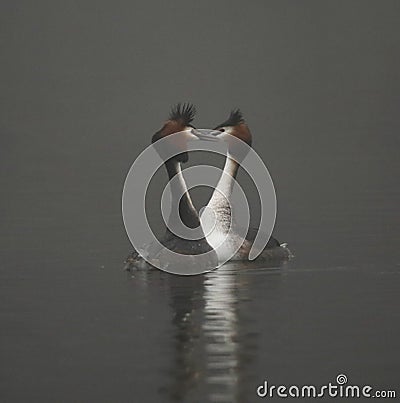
{"x": 84, "y": 85}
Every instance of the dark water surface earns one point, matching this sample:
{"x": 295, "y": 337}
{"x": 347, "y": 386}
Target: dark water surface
{"x": 84, "y": 85}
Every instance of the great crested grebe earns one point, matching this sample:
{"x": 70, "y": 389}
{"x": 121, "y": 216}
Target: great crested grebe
{"x": 218, "y": 214}
{"x": 179, "y": 121}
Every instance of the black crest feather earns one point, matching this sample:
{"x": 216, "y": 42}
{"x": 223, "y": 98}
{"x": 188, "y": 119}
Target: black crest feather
{"x": 235, "y": 118}
{"x": 184, "y": 112}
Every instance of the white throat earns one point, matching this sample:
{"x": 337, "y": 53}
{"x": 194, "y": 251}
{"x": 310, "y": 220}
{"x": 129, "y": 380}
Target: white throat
{"x": 216, "y": 219}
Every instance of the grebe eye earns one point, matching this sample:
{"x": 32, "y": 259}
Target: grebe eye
{"x": 221, "y": 130}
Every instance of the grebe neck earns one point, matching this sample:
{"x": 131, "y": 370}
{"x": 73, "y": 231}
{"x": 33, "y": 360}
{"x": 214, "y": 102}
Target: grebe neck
{"x": 187, "y": 212}
{"x": 223, "y": 191}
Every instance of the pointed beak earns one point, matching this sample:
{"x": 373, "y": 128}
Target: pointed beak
{"x": 205, "y": 134}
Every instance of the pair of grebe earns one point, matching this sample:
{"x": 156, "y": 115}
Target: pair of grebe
{"x": 180, "y": 120}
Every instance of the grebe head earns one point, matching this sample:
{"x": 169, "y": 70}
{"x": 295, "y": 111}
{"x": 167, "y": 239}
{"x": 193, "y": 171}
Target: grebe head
{"x": 236, "y": 126}
{"x": 232, "y": 130}
{"x": 179, "y": 121}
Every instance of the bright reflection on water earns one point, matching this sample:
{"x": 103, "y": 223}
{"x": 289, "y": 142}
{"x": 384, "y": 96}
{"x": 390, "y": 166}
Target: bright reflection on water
{"x": 212, "y": 349}
{"x": 220, "y": 332}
